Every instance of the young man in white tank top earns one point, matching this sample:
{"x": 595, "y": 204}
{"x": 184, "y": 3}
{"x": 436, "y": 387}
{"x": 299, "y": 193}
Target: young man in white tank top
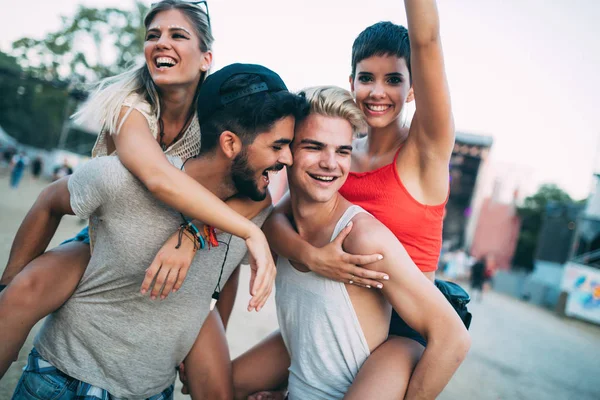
{"x": 330, "y": 328}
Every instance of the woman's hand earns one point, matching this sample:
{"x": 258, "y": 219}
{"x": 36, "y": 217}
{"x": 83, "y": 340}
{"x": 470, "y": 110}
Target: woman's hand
{"x": 262, "y": 267}
{"x": 170, "y": 267}
{"x": 331, "y": 261}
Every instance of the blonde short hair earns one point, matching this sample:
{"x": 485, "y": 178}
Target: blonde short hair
{"x": 333, "y": 101}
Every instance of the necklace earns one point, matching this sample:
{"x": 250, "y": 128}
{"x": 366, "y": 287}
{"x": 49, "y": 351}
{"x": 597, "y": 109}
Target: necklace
{"x": 161, "y": 137}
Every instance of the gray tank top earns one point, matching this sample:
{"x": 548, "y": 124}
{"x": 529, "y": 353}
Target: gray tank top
{"x": 320, "y": 329}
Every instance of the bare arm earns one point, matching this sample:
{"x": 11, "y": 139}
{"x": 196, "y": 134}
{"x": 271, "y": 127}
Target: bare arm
{"x": 140, "y": 154}
{"x": 432, "y": 128}
{"x": 38, "y": 227}
{"x": 420, "y": 304}
{"x": 169, "y": 268}
{"x": 282, "y": 237}
{"x": 206, "y": 371}
{"x": 330, "y": 261}
{"x": 227, "y": 296}
{"x": 272, "y": 357}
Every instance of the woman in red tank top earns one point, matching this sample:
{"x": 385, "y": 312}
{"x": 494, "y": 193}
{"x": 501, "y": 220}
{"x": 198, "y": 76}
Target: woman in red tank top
{"x": 399, "y": 174}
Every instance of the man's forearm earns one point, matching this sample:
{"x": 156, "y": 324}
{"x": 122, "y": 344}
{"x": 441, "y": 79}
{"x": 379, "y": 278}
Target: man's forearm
{"x": 32, "y": 238}
{"x": 436, "y": 367}
{"x": 284, "y": 240}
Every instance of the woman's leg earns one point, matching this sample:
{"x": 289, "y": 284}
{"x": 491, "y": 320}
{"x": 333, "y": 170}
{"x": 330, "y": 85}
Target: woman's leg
{"x": 387, "y": 371}
{"x": 42, "y": 287}
{"x": 263, "y": 367}
{"x": 207, "y": 367}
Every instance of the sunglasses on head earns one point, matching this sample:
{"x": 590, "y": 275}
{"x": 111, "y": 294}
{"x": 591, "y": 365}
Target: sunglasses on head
{"x": 202, "y": 4}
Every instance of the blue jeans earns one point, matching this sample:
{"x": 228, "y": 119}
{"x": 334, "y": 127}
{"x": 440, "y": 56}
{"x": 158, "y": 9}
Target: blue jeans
{"x": 45, "y": 386}
{"x": 43, "y": 381}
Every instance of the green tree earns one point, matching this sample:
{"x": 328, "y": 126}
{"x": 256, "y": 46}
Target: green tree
{"x": 92, "y": 44}
{"x": 41, "y": 80}
{"x": 9, "y": 63}
{"x": 532, "y": 214}
{"x": 31, "y": 109}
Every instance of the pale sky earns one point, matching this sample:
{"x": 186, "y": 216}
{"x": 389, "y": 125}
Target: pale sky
{"x": 522, "y": 71}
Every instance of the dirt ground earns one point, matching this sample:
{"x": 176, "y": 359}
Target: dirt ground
{"x": 519, "y": 351}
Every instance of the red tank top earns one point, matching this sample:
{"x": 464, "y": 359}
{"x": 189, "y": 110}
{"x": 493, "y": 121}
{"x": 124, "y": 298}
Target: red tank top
{"x": 417, "y": 226}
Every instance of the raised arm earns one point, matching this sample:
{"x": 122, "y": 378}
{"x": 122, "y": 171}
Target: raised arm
{"x": 432, "y": 129}
{"x": 330, "y": 261}
{"x": 420, "y": 304}
{"x": 38, "y": 227}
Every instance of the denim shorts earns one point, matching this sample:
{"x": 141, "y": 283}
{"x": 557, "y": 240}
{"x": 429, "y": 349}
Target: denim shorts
{"x": 83, "y": 236}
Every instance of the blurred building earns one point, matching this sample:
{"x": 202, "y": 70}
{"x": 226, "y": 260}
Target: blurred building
{"x": 587, "y": 236}
{"x": 555, "y": 241}
{"x": 581, "y": 276}
{"x": 496, "y": 230}
{"x": 469, "y": 159}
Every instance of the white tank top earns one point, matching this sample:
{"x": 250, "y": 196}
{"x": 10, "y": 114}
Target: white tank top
{"x": 320, "y": 329}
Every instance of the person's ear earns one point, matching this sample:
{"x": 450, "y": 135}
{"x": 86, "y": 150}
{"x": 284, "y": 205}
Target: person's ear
{"x": 206, "y": 61}
{"x": 411, "y": 95}
{"x": 230, "y": 144}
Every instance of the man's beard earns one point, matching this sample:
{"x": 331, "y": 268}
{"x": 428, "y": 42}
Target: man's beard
{"x": 243, "y": 178}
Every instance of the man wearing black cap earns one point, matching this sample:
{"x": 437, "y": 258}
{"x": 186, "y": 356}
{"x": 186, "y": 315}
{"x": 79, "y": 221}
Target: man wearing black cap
{"x": 104, "y": 340}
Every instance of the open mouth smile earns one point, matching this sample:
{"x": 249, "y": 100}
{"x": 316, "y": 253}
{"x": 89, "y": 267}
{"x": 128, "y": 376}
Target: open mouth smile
{"x": 324, "y": 179}
{"x": 163, "y": 63}
{"x": 377, "y": 109}
{"x": 273, "y": 170}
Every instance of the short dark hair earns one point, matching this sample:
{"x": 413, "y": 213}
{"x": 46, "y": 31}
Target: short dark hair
{"x": 251, "y": 115}
{"x": 381, "y": 39}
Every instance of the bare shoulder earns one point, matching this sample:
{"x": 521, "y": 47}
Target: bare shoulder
{"x": 130, "y": 117}
{"x": 369, "y": 236}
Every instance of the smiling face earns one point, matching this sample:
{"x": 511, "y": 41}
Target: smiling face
{"x": 322, "y": 152}
{"x": 172, "y": 51}
{"x": 268, "y": 153}
{"x": 381, "y": 87}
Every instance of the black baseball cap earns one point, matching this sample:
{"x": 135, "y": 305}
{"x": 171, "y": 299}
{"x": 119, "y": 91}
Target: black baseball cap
{"x": 210, "y": 98}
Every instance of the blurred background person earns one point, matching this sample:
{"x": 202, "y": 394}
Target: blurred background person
{"x": 7, "y": 155}
{"x": 36, "y": 167}
{"x": 478, "y": 274}
{"x": 62, "y": 170}
{"x": 17, "y": 164}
